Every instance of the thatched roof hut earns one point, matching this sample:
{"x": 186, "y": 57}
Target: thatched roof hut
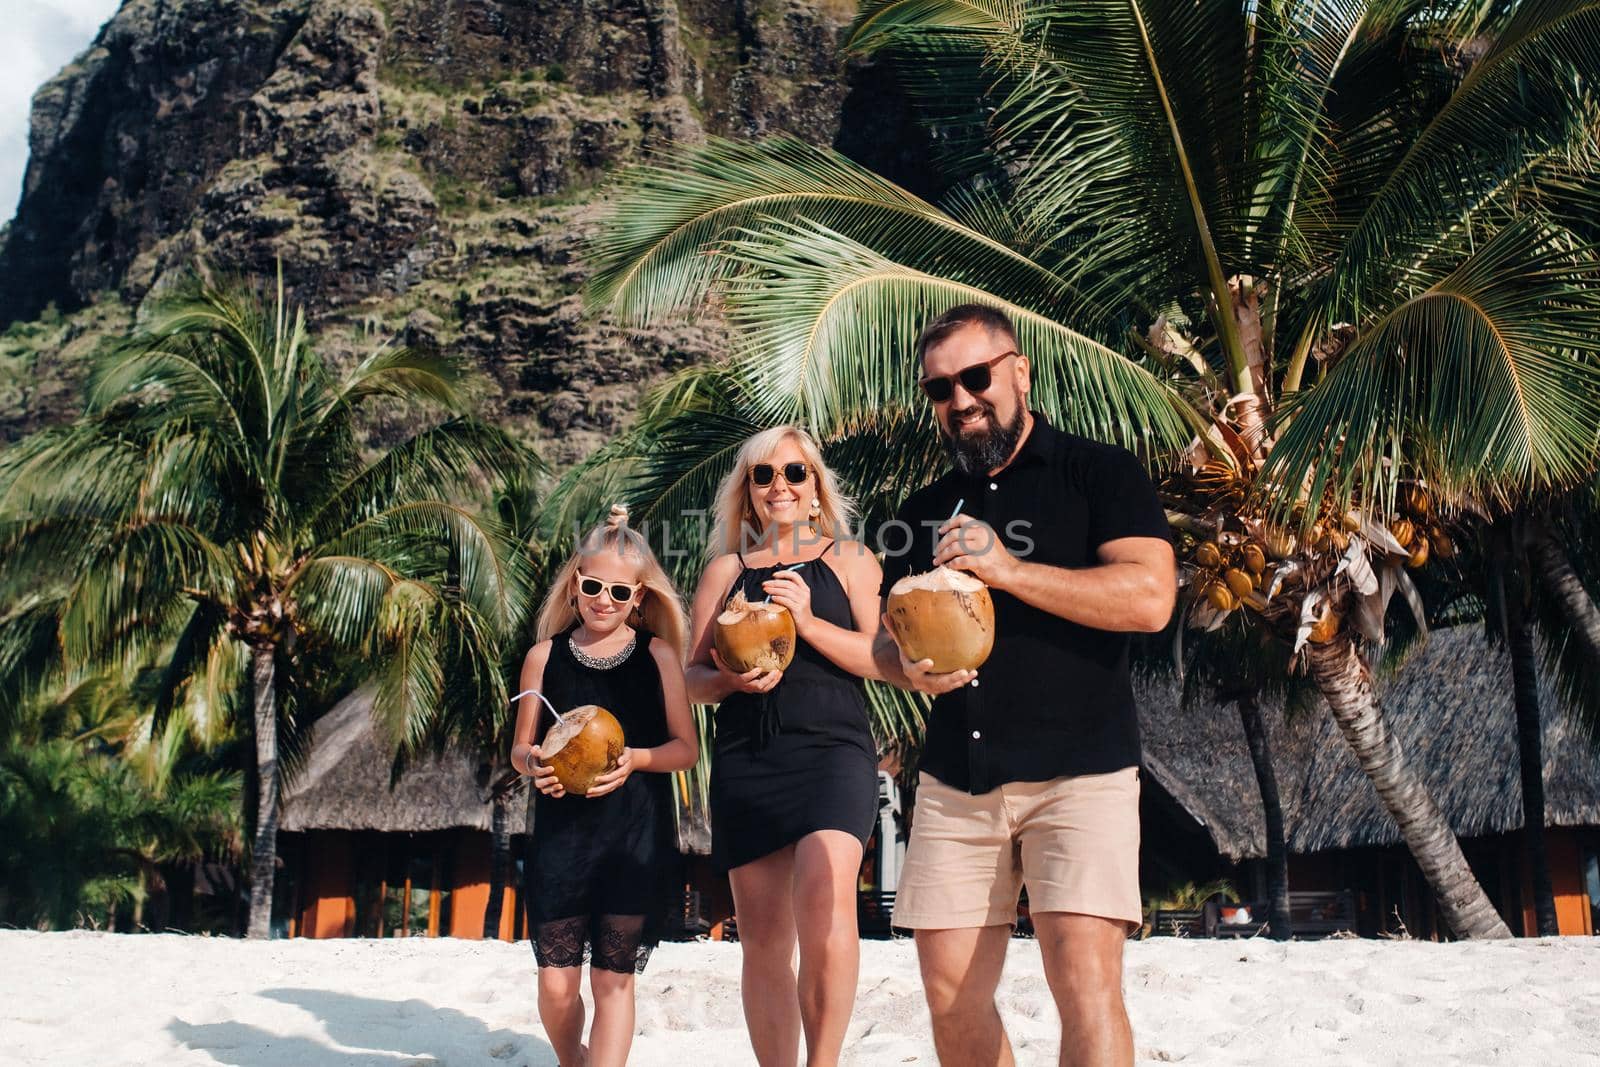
{"x": 1450, "y": 704}
{"x": 346, "y": 783}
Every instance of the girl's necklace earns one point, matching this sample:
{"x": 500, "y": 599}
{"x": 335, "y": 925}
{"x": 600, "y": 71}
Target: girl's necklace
{"x": 602, "y": 663}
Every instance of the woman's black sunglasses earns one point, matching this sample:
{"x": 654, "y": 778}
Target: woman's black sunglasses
{"x": 793, "y": 473}
{"x": 590, "y": 587}
{"x": 974, "y": 379}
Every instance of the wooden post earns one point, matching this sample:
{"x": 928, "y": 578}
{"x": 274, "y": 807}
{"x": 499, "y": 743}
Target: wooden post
{"x": 433, "y": 897}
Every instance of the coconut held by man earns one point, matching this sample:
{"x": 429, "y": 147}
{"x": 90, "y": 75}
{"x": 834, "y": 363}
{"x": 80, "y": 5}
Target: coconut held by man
{"x": 943, "y": 615}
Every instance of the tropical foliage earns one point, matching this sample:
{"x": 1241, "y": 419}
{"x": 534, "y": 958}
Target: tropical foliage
{"x": 96, "y": 814}
{"x": 1324, "y": 263}
{"x": 216, "y": 508}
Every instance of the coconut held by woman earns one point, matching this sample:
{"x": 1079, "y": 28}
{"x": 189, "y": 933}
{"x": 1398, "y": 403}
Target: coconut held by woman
{"x": 943, "y": 615}
{"x": 757, "y": 635}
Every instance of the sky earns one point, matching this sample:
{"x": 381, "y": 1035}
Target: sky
{"x": 41, "y": 37}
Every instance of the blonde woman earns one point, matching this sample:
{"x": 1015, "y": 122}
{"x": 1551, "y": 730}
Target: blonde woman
{"x": 611, "y": 632}
{"x": 793, "y": 780}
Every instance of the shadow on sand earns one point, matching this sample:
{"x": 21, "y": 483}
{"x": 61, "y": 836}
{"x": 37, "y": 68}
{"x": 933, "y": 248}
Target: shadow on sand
{"x": 371, "y": 1033}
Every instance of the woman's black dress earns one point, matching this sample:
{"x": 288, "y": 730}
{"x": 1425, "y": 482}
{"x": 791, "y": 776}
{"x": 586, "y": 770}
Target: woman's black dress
{"x": 799, "y": 758}
{"x": 596, "y": 877}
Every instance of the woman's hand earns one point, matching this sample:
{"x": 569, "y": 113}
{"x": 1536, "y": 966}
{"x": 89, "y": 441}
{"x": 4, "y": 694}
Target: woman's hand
{"x": 544, "y": 778}
{"x": 790, "y": 590}
{"x": 613, "y": 779}
{"x": 751, "y": 681}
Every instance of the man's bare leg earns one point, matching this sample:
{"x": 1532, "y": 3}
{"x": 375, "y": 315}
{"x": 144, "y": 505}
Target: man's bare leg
{"x": 960, "y": 973}
{"x": 1083, "y": 964}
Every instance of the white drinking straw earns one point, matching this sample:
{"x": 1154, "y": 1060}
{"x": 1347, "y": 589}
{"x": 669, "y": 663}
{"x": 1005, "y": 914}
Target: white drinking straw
{"x": 791, "y": 567}
{"x": 540, "y": 695}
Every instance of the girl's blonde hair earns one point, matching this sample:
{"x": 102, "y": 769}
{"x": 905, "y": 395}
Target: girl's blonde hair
{"x": 835, "y": 512}
{"x": 657, "y": 606}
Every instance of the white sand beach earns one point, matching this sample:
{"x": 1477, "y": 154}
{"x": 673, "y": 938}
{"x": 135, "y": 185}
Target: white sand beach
{"x": 84, "y": 998}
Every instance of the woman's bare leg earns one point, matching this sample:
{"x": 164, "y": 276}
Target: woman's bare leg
{"x": 763, "y": 892}
{"x": 826, "y": 864}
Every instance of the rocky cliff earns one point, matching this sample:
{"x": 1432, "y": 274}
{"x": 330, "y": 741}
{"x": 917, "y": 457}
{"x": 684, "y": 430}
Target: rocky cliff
{"x": 424, "y": 169}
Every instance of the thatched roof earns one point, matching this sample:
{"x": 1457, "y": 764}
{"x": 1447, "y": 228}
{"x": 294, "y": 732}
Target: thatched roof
{"x": 346, "y": 782}
{"x": 1451, "y": 707}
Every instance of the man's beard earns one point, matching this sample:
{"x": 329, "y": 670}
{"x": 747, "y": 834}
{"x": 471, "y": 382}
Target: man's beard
{"x": 977, "y": 454}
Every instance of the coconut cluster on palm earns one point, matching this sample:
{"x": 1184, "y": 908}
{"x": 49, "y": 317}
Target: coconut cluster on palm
{"x": 1303, "y": 579}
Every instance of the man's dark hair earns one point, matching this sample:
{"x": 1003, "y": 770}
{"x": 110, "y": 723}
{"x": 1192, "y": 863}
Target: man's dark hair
{"x": 992, "y": 319}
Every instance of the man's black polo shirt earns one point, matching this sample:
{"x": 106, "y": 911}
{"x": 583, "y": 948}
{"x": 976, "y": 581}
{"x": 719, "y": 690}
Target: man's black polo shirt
{"x": 1055, "y": 698}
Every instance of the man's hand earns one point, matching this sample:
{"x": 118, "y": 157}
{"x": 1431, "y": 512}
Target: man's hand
{"x": 971, "y": 545}
{"x": 920, "y": 677}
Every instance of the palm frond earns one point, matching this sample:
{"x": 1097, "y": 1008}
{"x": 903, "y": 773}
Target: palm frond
{"x": 341, "y": 597}
{"x": 189, "y": 653}
{"x": 881, "y": 23}
{"x": 411, "y": 679}
{"x": 660, "y": 250}
{"x": 447, "y": 462}
{"x": 1485, "y": 382}
{"x": 826, "y": 326}
{"x": 488, "y": 579}
{"x": 401, "y": 373}
{"x": 1528, "y": 98}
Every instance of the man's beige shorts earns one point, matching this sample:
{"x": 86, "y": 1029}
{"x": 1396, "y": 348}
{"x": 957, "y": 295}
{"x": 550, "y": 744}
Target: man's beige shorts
{"x": 1074, "y": 841}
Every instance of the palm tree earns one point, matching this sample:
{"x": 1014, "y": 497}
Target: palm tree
{"x": 1185, "y": 207}
{"x": 1523, "y": 610}
{"x": 214, "y": 499}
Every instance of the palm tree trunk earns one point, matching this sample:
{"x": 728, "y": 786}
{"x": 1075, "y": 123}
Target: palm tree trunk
{"x": 499, "y": 864}
{"x": 1279, "y": 924}
{"x": 1530, "y": 750}
{"x": 1347, "y": 687}
{"x": 1562, "y": 584}
{"x": 264, "y": 849}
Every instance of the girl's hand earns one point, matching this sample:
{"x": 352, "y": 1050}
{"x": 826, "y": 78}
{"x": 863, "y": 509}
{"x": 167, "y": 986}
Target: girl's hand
{"x": 752, "y": 681}
{"x": 544, "y": 778}
{"x": 613, "y": 779}
{"x": 790, "y": 590}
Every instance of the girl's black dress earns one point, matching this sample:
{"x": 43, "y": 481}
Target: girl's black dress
{"x": 594, "y": 889}
{"x": 799, "y": 758}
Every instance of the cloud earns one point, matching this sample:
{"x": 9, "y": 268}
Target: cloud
{"x": 41, "y": 37}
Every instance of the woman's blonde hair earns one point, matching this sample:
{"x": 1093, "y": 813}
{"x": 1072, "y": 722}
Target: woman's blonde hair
{"x": 657, "y": 606}
{"x": 835, "y": 511}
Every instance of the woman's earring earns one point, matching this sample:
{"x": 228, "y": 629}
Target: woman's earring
{"x": 816, "y": 506}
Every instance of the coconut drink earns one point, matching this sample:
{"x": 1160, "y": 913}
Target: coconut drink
{"x": 584, "y": 743}
{"x": 944, "y": 615}
{"x": 756, "y": 636}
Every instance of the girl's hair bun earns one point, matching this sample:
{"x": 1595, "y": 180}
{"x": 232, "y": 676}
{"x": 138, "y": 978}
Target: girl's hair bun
{"x": 618, "y": 517}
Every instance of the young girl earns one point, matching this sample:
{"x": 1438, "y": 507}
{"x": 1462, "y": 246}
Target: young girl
{"x": 611, "y": 632}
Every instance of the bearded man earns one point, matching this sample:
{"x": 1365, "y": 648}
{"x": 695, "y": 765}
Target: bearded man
{"x": 1030, "y": 771}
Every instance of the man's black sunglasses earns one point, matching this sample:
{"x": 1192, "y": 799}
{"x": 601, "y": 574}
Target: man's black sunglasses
{"x": 974, "y": 379}
{"x": 793, "y": 473}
